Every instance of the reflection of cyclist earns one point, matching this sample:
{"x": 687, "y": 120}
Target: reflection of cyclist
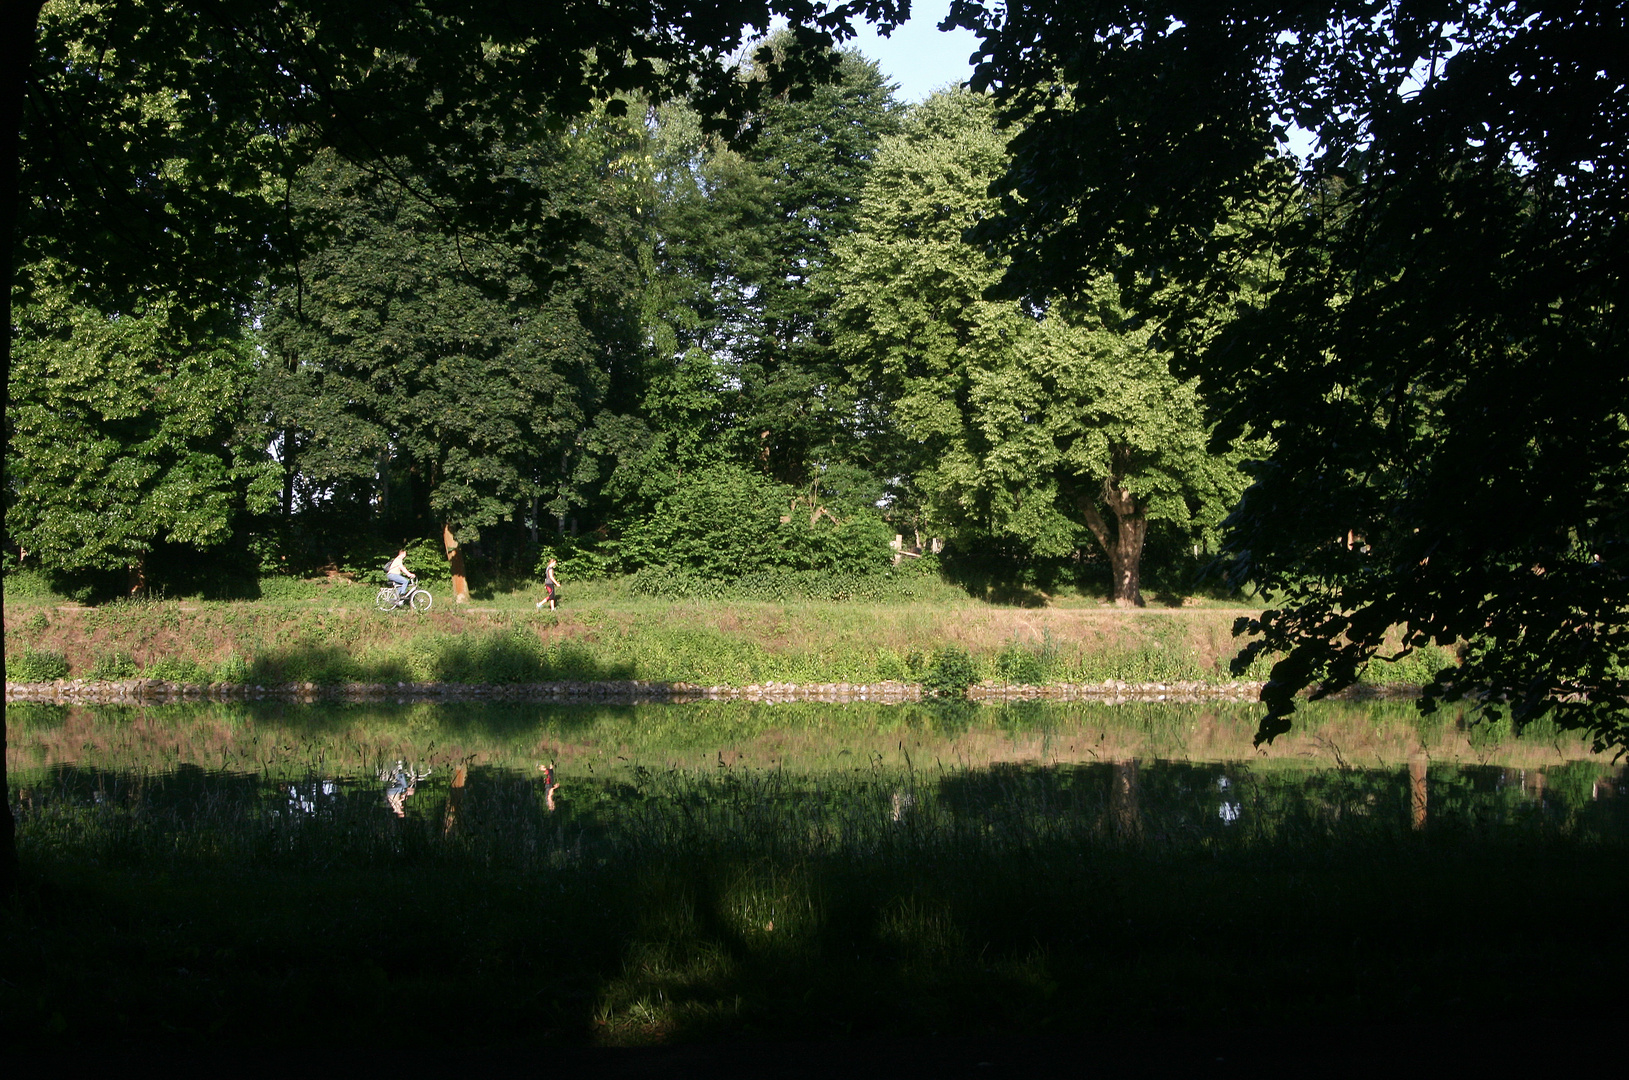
{"x": 401, "y": 785}
{"x": 399, "y": 575}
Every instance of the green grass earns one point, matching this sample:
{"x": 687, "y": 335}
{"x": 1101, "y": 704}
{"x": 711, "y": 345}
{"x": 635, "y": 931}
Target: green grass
{"x": 330, "y": 633}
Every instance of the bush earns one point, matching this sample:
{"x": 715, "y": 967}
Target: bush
{"x": 951, "y": 673}
{"x": 584, "y": 558}
{"x": 31, "y": 667}
{"x": 727, "y": 522}
{"x": 1028, "y": 667}
{"x": 176, "y": 670}
{"x": 780, "y": 586}
{"x": 28, "y": 585}
{"x": 234, "y": 669}
{"x": 115, "y": 665}
{"x": 425, "y": 557}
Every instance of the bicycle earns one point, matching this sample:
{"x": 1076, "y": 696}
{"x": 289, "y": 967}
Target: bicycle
{"x": 418, "y": 597}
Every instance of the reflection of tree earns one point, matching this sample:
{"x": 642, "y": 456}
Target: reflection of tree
{"x": 1417, "y": 790}
{"x": 455, "y": 799}
{"x": 1124, "y": 810}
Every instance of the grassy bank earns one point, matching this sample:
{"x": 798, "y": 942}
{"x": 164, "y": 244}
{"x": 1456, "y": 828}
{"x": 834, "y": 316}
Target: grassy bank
{"x": 329, "y": 633}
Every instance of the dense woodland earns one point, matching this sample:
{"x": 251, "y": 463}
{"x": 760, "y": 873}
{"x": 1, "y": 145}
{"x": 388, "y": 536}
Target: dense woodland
{"x": 293, "y": 283}
{"x": 681, "y": 353}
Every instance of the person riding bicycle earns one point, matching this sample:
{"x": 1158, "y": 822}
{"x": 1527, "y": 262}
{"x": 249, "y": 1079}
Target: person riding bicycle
{"x": 399, "y": 575}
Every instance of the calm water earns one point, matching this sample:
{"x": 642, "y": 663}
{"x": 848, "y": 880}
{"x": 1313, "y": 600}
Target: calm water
{"x": 549, "y": 783}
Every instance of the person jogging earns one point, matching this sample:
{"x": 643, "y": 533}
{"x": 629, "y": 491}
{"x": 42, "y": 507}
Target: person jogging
{"x": 551, "y": 587}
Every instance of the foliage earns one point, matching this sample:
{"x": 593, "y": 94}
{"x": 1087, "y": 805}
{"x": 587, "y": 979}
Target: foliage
{"x": 126, "y": 431}
{"x": 727, "y": 522}
{"x": 28, "y": 584}
{"x": 779, "y": 585}
{"x": 584, "y": 558}
{"x": 950, "y": 672}
{"x": 30, "y": 666}
{"x": 1437, "y": 364}
{"x": 459, "y": 373}
{"x": 1027, "y": 665}
{"x": 114, "y": 665}
{"x": 1036, "y": 429}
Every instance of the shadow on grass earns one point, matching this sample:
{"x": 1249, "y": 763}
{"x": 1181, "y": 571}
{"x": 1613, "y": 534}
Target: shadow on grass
{"x": 499, "y": 657}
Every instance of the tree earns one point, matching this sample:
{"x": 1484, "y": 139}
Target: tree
{"x": 254, "y": 89}
{"x": 814, "y": 156}
{"x": 127, "y": 430}
{"x": 475, "y": 366}
{"x": 1441, "y": 367}
{"x": 1042, "y": 427}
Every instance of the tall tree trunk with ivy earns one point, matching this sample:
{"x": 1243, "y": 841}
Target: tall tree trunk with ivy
{"x": 455, "y": 558}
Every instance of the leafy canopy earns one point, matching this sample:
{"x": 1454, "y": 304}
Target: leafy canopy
{"x": 1441, "y": 363}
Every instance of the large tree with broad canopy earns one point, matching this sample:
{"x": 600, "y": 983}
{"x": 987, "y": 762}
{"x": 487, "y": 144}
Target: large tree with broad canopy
{"x": 1441, "y": 367}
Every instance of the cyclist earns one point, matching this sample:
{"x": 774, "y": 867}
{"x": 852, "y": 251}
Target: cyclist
{"x": 399, "y": 575}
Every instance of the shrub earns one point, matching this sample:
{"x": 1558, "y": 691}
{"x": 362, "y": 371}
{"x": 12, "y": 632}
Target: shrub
{"x": 1016, "y": 664}
{"x": 728, "y": 522}
{"x": 234, "y": 669}
{"x": 174, "y": 669}
{"x": 30, "y": 666}
{"x": 425, "y": 557}
{"x": 28, "y": 584}
{"x": 584, "y": 558}
{"x": 114, "y": 665}
{"x": 951, "y": 673}
{"x": 780, "y": 585}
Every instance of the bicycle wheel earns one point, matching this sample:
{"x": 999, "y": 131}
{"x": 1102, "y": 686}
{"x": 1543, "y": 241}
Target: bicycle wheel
{"x": 386, "y": 600}
{"x": 421, "y": 600}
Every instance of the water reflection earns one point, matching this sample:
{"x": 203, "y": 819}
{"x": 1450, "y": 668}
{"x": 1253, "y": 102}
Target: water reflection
{"x": 311, "y": 796}
{"x": 400, "y": 784}
{"x": 825, "y": 776}
{"x": 549, "y": 787}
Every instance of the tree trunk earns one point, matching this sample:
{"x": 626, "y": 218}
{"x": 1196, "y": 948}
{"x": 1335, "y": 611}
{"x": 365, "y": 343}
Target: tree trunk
{"x": 19, "y": 32}
{"x": 1124, "y": 544}
{"x": 1417, "y": 791}
{"x": 455, "y": 799}
{"x": 456, "y": 557}
{"x": 288, "y": 474}
{"x": 1125, "y": 802}
{"x": 138, "y": 576}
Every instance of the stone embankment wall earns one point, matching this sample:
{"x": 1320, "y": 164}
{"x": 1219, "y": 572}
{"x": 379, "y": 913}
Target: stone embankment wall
{"x": 142, "y": 691}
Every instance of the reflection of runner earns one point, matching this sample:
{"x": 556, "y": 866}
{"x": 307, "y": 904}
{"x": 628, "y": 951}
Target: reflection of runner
{"x": 549, "y": 787}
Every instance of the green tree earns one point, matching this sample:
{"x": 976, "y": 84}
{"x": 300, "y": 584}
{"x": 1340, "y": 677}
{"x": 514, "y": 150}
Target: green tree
{"x": 128, "y": 430}
{"x": 1037, "y": 427}
{"x": 814, "y": 156}
{"x": 139, "y": 137}
{"x": 739, "y": 234}
{"x": 472, "y": 365}
{"x": 1440, "y": 367}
